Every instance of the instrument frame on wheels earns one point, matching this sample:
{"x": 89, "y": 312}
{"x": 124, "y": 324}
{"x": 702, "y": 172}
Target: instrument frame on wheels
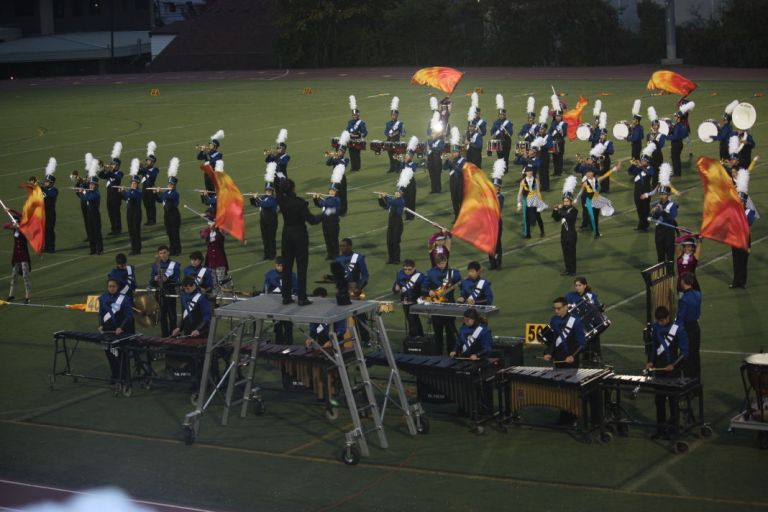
{"x": 269, "y": 307}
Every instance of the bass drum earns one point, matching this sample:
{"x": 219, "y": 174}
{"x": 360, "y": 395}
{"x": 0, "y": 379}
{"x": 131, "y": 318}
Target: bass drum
{"x": 584, "y": 131}
{"x": 707, "y": 130}
{"x": 621, "y": 130}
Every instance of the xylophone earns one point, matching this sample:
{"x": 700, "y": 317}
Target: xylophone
{"x": 183, "y": 357}
{"x": 467, "y": 383}
{"x": 306, "y": 365}
{"x": 567, "y": 389}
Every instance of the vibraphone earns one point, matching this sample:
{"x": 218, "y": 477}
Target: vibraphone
{"x": 467, "y": 383}
{"x": 571, "y": 390}
{"x": 687, "y": 391}
{"x": 309, "y": 366}
{"x": 183, "y": 357}
{"x": 67, "y": 342}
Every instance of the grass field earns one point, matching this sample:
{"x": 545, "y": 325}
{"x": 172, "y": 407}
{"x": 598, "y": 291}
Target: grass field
{"x": 80, "y": 436}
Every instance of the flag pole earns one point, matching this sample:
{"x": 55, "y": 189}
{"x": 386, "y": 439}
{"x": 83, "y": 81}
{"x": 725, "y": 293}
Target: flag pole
{"x": 7, "y": 211}
{"x": 667, "y": 225}
{"x": 196, "y": 213}
{"x": 426, "y": 219}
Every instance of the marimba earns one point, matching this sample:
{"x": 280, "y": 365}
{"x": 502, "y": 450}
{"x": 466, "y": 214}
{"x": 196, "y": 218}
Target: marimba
{"x": 567, "y": 389}
{"x": 183, "y": 358}
{"x": 467, "y": 383}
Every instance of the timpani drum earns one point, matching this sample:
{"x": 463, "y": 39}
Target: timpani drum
{"x": 665, "y": 124}
{"x": 493, "y": 146}
{"x": 707, "y": 130}
{"x": 376, "y": 146}
{"x": 621, "y": 130}
{"x": 584, "y": 131}
{"x": 756, "y": 370}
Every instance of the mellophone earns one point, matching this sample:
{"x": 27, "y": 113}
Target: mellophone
{"x": 567, "y": 389}
{"x": 306, "y": 365}
{"x": 466, "y": 382}
{"x": 353, "y": 143}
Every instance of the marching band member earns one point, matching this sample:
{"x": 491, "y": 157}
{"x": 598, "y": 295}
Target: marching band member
{"x": 116, "y": 316}
{"x": 666, "y": 355}
{"x": 530, "y": 191}
{"x": 202, "y": 274}
{"x": 149, "y": 175}
{"x": 740, "y": 257}
{"x": 355, "y": 268}
{"x": 321, "y": 333}
{"x": 542, "y": 134}
{"x": 133, "y": 198}
{"x": 273, "y": 283}
{"x": 164, "y": 277}
{"x": 746, "y": 145}
{"x": 210, "y": 154}
{"x": 479, "y": 122}
{"x": 636, "y": 135}
{"x": 440, "y": 282}
{"x": 409, "y": 283}
{"x": 439, "y": 244}
{"x": 678, "y": 134}
{"x": 395, "y": 204}
{"x": 215, "y": 253}
{"x": 473, "y": 138}
{"x": 357, "y": 131}
{"x": 474, "y": 289}
{"x": 208, "y": 198}
{"x": 92, "y": 200}
{"x": 456, "y": 174}
{"x": 594, "y": 134}
{"x": 527, "y": 131}
{"x": 569, "y": 340}
{"x": 688, "y": 256}
{"x": 81, "y": 181}
{"x": 113, "y": 176}
{"x": 499, "y": 169}
{"x": 665, "y": 212}
{"x": 558, "y": 133}
{"x": 566, "y": 214}
{"x": 295, "y": 240}
{"x": 20, "y": 260}
{"x": 595, "y": 203}
{"x": 658, "y": 139}
{"x": 330, "y": 206}
{"x": 409, "y": 194}
{"x": 474, "y": 340}
{"x": 605, "y": 162}
{"x": 582, "y": 291}
{"x": 435, "y": 148}
{"x": 502, "y": 130}
{"x": 50, "y": 194}
{"x": 195, "y": 311}
{"x": 393, "y": 130}
{"x": 170, "y": 198}
{"x": 279, "y": 156}
{"x": 446, "y": 107}
{"x": 339, "y": 158}
{"x": 124, "y": 274}
{"x": 688, "y": 314}
{"x": 641, "y": 171}
{"x": 267, "y": 205}
{"x": 725, "y": 130}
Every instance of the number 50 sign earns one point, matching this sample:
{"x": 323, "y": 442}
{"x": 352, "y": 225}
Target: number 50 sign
{"x": 532, "y": 331}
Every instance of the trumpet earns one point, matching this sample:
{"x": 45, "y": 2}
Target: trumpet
{"x": 271, "y": 151}
{"x": 203, "y": 147}
{"x": 329, "y": 154}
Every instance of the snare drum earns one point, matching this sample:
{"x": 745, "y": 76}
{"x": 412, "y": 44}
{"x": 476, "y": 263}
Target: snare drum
{"x": 376, "y": 146}
{"x": 335, "y": 143}
{"x": 621, "y": 130}
{"x": 665, "y": 124}
{"x": 493, "y": 146}
{"x": 421, "y": 149}
{"x": 399, "y": 147}
{"x": 358, "y": 144}
{"x": 756, "y": 369}
{"x": 707, "y": 130}
{"x": 584, "y": 131}
{"x": 386, "y": 306}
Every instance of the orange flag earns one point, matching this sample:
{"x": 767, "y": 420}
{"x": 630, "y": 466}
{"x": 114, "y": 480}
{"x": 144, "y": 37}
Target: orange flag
{"x": 573, "y": 117}
{"x": 723, "y": 216}
{"x": 439, "y": 77}
{"x": 32, "y": 224}
{"x": 229, "y": 203}
{"x": 670, "y": 82}
{"x": 478, "y": 220}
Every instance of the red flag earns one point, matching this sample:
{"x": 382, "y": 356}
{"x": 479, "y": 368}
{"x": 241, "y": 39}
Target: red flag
{"x": 573, "y": 117}
{"x": 723, "y": 216}
{"x": 478, "y": 220}
{"x": 32, "y": 224}
{"x": 229, "y": 203}
{"x": 439, "y": 77}
{"x": 670, "y": 82}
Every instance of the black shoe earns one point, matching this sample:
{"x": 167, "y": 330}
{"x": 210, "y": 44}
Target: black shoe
{"x": 598, "y": 235}
{"x": 565, "y": 273}
{"x": 9, "y": 298}
{"x": 304, "y": 302}
{"x": 27, "y": 300}
{"x": 287, "y": 301}
{"x": 541, "y": 235}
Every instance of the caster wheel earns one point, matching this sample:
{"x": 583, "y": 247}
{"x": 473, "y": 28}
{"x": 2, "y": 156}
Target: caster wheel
{"x": 479, "y": 430}
{"x": 705, "y": 431}
{"x": 350, "y": 455}
{"x": 762, "y": 440}
{"x": 193, "y": 399}
{"x": 422, "y": 425}
{"x": 606, "y": 437}
{"x": 680, "y": 447}
{"x": 189, "y": 435}
{"x": 259, "y": 407}
{"x": 623, "y": 429}
{"x": 126, "y": 390}
{"x": 332, "y": 413}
